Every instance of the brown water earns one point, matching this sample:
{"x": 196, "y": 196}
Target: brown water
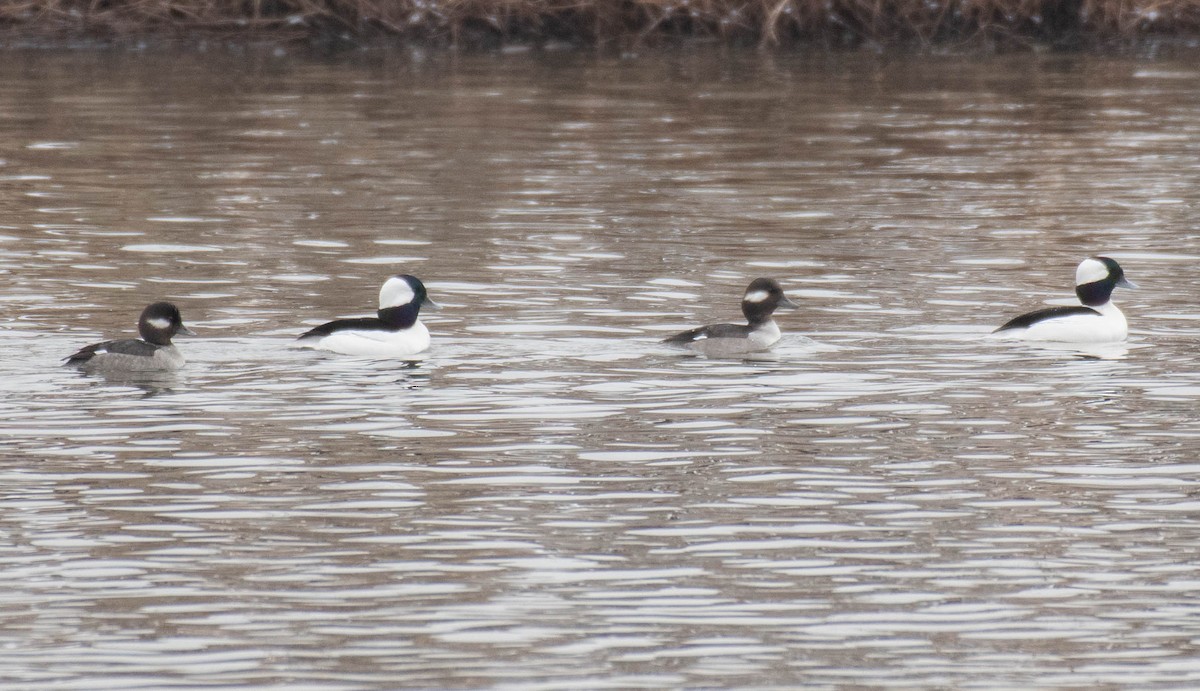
{"x": 551, "y": 499}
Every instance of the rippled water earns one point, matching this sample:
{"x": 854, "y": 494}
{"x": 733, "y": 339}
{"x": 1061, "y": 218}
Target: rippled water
{"x": 551, "y": 499}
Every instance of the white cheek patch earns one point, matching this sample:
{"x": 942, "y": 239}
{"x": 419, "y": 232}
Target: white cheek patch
{"x": 394, "y": 293}
{"x": 1090, "y": 271}
{"x": 756, "y": 296}
{"x": 159, "y": 323}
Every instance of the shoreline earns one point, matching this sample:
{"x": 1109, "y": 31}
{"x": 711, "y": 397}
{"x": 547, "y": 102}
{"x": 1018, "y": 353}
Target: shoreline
{"x": 610, "y": 24}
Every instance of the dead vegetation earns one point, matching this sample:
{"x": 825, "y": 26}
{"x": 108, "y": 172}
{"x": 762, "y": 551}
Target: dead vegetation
{"x": 619, "y": 22}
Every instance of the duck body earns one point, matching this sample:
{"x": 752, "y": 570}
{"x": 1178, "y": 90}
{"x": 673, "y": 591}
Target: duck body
{"x": 368, "y": 337}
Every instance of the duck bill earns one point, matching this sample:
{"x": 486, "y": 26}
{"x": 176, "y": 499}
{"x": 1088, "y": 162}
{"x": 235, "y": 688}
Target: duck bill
{"x": 1126, "y": 283}
{"x": 184, "y": 331}
{"x": 787, "y": 304}
{"x": 430, "y": 305}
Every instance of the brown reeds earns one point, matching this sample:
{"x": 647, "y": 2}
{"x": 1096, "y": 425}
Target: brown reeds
{"x": 619, "y": 22}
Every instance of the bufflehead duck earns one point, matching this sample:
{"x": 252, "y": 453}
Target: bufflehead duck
{"x": 395, "y": 332}
{"x": 1097, "y": 320}
{"x": 153, "y": 353}
{"x": 763, "y": 296}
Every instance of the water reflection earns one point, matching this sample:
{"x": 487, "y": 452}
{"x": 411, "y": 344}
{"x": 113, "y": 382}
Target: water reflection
{"x": 551, "y": 498}
{"x": 151, "y": 383}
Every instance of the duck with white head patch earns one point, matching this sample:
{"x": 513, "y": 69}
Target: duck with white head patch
{"x": 396, "y": 331}
{"x": 158, "y": 323}
{"x": 763, "y": 296}
{"x": 1096, "y": 320}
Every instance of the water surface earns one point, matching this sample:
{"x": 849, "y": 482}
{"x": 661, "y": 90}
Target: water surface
{"x": 551, "y": 499}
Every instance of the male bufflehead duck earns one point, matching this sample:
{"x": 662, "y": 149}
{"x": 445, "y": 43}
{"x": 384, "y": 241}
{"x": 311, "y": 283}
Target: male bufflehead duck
{"x": 153, "y": 353}
{"x": 395, "y": 332}
{"x": 763, "y": 296}
{"x": 1097, "y": 320}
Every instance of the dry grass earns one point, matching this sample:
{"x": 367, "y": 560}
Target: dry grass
{"x": 620, "y": 22}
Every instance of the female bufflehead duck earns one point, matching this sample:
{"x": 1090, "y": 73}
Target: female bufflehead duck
{"x": 1097, "y": 320}
{"x": 763, "y": 296}
{"x": 153, "y": 353}
{"x": 395, "y": 332}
